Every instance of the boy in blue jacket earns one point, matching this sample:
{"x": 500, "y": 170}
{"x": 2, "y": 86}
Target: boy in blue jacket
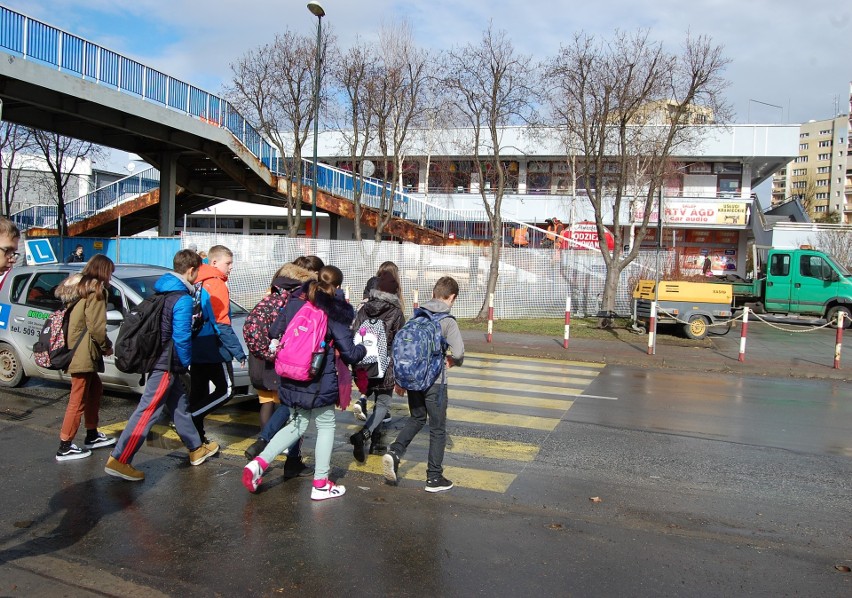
{"x": 164, "y": 386}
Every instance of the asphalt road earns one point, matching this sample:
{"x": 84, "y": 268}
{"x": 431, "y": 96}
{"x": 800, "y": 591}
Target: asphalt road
{"x": 708, "y": 485}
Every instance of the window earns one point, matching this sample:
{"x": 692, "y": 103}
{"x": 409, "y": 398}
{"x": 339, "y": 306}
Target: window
{"x": 825, "y": 132}
{"x": 813, "y": 266}
{"x": 821, "y": 196}
{"x": 823, "y": 169}
{"x": 803, "y": 146}
{"x": 800, "y": 184}
{"x": 801, "y": 159}
{"x": 18, "y": 287}
{"x": 801, "y": 172}
{"x": 826, "y": 143}
{"x": 822, "y": 209}
{"x": 40, "y": 292}
{"x": 804, "y": 135}
{"x": 824, "y": 157}
{"x": 822, "y": 183}
{"x": 780, "y": 264}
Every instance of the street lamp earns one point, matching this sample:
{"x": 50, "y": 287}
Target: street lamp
{"x": 316, "y": 10}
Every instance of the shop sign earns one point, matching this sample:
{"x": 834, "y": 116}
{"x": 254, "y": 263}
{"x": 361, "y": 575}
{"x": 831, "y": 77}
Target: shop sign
{"x": 586, "y": 233}
{"x": 677, "y": 211}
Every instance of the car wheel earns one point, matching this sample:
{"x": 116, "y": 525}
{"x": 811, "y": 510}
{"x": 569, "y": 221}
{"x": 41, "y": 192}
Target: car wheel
{"x": 831, "y": 316}
{"x": 696, "y": 328}
{"x": 11, "y": 368}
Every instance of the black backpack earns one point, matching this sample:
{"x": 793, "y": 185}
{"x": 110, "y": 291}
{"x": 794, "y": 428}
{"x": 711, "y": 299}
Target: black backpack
{"x": 139, "y": 343}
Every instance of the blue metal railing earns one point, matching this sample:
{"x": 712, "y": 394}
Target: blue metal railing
{"x": 108, "y": 196}
{"x": 37, "y": 41}
{"x": 376, "y": 194}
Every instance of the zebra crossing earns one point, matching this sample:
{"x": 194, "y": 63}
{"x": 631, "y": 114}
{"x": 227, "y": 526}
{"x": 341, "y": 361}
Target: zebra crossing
{"x": 493, "y": 400}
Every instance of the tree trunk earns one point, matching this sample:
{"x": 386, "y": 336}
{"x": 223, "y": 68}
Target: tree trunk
{"x": 493, "y": 273}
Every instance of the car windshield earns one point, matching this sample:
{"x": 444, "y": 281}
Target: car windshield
{"x": 144, "y": 287}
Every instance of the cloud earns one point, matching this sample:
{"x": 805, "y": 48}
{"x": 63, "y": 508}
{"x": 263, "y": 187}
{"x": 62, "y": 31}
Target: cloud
{"x": 785, "y": 52}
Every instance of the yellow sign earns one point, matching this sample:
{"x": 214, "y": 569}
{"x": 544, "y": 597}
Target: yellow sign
{"x": 98, "y": 245}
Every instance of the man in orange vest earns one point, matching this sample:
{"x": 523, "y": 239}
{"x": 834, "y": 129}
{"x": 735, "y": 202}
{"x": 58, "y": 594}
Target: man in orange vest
{"x": 521, "y": 237}
{"x": 551, "y": 235}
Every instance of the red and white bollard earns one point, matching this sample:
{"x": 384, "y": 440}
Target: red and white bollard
{"x": 838, "y": 342}
{"x": 567, "y": 322}
{"x": 652, "y": 329}
{"x": 490, "y": 334}
{"x": 744, "y": 331}
{"x": 416, "y": 295}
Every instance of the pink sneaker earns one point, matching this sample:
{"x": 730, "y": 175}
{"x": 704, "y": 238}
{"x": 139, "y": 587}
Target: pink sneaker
{"x": 253, "y": 474}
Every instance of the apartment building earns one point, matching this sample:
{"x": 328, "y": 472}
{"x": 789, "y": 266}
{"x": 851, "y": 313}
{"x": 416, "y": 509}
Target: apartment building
{"x": 821, "y": 176}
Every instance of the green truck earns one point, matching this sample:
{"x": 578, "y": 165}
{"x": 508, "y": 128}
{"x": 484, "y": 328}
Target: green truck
{"x": 801, "y": 281}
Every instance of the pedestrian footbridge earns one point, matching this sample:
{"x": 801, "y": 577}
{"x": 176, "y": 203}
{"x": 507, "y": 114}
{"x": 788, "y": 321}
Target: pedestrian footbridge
{"x": 202, "y": 149}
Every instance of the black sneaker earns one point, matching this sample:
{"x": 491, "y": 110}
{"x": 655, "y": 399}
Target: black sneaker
{"x": 390, "y": 467}
{"x": 439, "y": 484}
{"x": 98, "y": 440}
{"x": 296, "y": 468}
{"x": 358, "y": 439}
{"x": 68, "y": 451}
{"x": 376, "y": 445}
{"x": 255, "y": 449}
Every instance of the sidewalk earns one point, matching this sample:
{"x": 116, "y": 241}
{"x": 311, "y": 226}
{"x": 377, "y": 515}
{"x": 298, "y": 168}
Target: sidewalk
{"x": 806, "y": 353}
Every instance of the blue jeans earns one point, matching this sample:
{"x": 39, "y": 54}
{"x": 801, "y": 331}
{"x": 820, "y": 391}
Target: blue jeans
{"x": 431, "y": 403}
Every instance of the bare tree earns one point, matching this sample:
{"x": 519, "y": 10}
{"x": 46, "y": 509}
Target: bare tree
{"x": 62, "y": 156}
{"x": 14, "y": 140}
{"x": 836, "y": 242}
{"x": 623, "y": 106}
{"x": 272, "y": 86}
{"x": 490, "y": 86}
{"x": 399, "y": 105}
{"x": 356, "y": 73}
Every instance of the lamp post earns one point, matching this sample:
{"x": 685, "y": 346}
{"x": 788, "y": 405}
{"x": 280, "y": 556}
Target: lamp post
{"x": 317, "y": 10}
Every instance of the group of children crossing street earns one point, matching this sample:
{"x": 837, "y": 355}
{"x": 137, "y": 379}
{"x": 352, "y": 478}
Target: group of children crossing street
{"x": 303, "y": 343}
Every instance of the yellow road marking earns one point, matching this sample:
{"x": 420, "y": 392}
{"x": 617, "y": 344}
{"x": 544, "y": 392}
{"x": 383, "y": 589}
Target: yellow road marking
{"x": 241, "y": 417}
{"x": 478, "y": 479}
{"x": 520, "y": 386}
{"x": 556, "y": 374}
{"x": 514, "y": 399}
{"x": 477, "y": 416}
{"x": 492, "y": 449}
{"x": 555, "y": 362}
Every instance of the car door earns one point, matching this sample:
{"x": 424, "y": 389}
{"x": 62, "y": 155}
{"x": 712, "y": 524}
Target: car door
{"x": 33, "y": 306}
{"x": 778, "y": 282}
{"x": 116, "y": 308}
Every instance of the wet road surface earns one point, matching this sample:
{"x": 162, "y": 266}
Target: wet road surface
{"x": 708, "y": 487}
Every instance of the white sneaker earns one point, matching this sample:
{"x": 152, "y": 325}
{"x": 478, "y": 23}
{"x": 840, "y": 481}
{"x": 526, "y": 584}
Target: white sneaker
{"x": 330, "y": 490}
{"x": 360, "y": 409}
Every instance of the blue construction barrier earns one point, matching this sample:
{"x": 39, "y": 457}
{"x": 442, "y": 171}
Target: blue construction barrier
{"x": 124, "y": 250}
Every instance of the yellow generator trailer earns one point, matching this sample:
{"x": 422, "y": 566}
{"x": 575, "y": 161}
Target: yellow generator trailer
{"x": 695, "y": 305}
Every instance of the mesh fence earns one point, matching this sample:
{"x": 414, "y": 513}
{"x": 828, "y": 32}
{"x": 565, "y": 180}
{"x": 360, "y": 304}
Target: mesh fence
{"x": 533, "y": 283}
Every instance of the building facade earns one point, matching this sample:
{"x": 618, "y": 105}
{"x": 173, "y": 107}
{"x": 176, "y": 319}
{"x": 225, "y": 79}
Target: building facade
{"x": 820, "y": 178}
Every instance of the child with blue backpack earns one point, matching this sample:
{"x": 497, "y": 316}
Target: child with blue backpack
{"x": 425, "y": 381}
{"x": 311, "y": 398}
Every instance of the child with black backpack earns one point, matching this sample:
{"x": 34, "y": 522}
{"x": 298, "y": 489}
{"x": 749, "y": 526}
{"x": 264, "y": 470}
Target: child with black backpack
{"x": 378, "y": 319}
{"x": 425, "y": 381}
{"x": 164, "y": 387}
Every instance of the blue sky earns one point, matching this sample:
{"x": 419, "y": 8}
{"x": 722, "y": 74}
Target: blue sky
{"x": 197, "y": 40}
{"x": 792, "y": 54}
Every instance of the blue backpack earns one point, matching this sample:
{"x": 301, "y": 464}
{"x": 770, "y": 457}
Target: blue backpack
{"x": 418, "y": 350}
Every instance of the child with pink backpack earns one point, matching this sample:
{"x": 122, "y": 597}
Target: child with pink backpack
{"x": 312, "y": 326}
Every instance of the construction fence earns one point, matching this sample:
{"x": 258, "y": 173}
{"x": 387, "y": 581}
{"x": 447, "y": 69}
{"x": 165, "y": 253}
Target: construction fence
{"x": 533, "y": 283}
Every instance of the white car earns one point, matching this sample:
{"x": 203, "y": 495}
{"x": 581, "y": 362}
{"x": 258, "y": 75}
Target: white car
{"x": 27, "y": 300}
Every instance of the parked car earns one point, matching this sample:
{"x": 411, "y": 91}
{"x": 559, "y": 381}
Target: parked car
{"x": 27, "y": 300}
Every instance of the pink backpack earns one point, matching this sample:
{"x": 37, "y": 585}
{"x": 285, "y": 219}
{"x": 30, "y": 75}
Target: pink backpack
{"x": 304, "y": 336}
